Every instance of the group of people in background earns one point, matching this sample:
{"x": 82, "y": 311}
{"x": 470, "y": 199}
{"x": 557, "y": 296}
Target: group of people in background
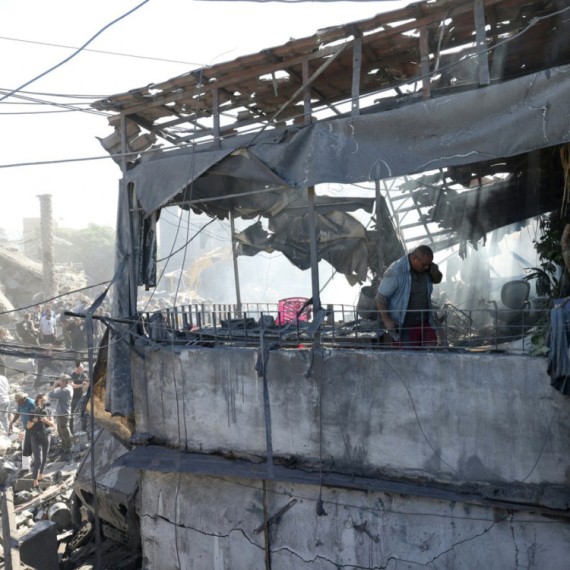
{"x": 68, "y": 394}
{"x": 50, "y": 325}
{"x": 61, "y": 407}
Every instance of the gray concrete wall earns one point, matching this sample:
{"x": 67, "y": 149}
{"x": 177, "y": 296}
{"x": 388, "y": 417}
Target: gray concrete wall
{"x": 207, "y": 523}
{"x": 449, "y": 417}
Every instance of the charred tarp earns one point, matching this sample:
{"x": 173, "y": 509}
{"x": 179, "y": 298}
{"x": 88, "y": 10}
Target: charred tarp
{"x": 527, "y": 185}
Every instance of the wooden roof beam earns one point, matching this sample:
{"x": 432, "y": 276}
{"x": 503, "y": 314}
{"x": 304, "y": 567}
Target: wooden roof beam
{"x": 276, "y": 59}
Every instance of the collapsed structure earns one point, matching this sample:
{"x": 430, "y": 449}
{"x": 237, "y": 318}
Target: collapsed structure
{"x": 318, "y": 456}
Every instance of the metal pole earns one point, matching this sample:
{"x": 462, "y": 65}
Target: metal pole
{"x": 128, "y": 205}
{"x": 379, "y": 229}
{"x": 89, "y": 327}
{"x": 234, "y": 255}
{"x": 314, "y": 249}
{"x": 9, "y": 531}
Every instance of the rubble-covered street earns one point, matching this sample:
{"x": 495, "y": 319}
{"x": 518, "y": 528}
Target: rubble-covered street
{"x": 52, "y": 527}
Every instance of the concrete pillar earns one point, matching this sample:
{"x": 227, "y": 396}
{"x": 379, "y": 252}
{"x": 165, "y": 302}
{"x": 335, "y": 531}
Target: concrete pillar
{"x": 46, "y": 216}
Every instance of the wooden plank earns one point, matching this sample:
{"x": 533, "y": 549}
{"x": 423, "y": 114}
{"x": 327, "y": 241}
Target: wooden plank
{"x": 356, "y": 67}
{"x": 253, "y": 70}
{"x": 272, "y": 58}
{"x": 233, "y": 79}
{"x": 309, "y": 82}
{"x": 424, "y": 51}
{"x": 306, "y": 93}
{"x": 9, "y": 531}
{"x": 481, "y": 41}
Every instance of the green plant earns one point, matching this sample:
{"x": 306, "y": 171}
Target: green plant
{"x": 551, "y": 276}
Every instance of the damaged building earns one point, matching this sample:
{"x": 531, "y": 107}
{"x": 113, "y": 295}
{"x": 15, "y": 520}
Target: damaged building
{"x": 265, "y": 440}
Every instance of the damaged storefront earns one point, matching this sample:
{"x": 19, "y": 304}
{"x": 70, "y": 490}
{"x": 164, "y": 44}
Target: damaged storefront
{"x": 259, "y": 438}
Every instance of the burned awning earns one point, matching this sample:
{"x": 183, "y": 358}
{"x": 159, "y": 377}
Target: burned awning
{"x": 469, "y": 127}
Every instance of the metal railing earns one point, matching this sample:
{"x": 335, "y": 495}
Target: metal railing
{"x": 342, "y": 326}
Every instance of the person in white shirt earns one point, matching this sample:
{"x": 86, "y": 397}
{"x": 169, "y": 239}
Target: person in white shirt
{"x": 47, "y": 328}
{"x": 4, "y": 402}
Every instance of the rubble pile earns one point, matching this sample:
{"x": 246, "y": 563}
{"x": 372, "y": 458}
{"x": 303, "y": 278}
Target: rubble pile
{"x": 54, "y": 529}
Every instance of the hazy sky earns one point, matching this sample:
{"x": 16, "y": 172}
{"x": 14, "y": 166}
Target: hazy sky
{"x": 184, "y": 30}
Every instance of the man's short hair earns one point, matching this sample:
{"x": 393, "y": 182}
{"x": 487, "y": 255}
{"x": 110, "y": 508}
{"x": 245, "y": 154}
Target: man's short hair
{"x": 64, "y": 378}
{"x": 422, "y": 251}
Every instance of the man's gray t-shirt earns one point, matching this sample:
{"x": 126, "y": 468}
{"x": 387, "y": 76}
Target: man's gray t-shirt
{"x": 418, "y": 299}
{"x": 63, "y": 397}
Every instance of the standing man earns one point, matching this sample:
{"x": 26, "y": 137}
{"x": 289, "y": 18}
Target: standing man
{"x": 79, "y": 383}
{"x": 77, "y": 334}
{"x": 47, "y": 328}
{"x": 27, "y": 330}
{"x": 404, "y": 298}
{"x": 63, "y": 393}
{"x": 26, "y": 406}
{"x": 4, "y": 402}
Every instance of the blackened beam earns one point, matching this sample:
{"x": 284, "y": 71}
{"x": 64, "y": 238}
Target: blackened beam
{"x": 313, "y": 246}
{"x": 482, "y": 57}
{"x": 127, "y": 197}
{"x": 149, "y": 127}
{"x": 306, "y": 94}
{"x": 163, "y": 460}
{"x": 356, "y": 67}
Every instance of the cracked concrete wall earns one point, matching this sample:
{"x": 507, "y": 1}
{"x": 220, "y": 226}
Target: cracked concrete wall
{"x": 207, "y": 523}
{"x": 480, "y": 418}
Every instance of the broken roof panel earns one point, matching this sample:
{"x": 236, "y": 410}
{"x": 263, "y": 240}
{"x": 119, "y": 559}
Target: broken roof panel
{"x": 517, "y": 39}
{"x": 469, "y": 127}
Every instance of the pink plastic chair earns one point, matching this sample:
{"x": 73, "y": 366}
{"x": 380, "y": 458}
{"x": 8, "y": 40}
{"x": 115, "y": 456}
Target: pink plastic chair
{"x": 288, "y": 309}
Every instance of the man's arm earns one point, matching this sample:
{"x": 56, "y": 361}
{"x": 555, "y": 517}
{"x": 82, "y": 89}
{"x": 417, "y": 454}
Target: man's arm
{"x": 14, "y": 420}
{"x": 385, "y": 314}
{"x": 435, "y": 273}
{"x": 55, "y": 393}
{"x": 388, "y": 287}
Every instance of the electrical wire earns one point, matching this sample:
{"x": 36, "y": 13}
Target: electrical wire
{"x": 415, "y": 80}
{"x": 40, "y": 112}
{"x": 54, "y": 298}
{"x": 69, "y": 106}
{"x": 79, "y": 50}
{"x": 191, "y": 180}
{"x": 63, "y": 95}
{"x": 172, "y": 253}
{"x": 103, "y": 52}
